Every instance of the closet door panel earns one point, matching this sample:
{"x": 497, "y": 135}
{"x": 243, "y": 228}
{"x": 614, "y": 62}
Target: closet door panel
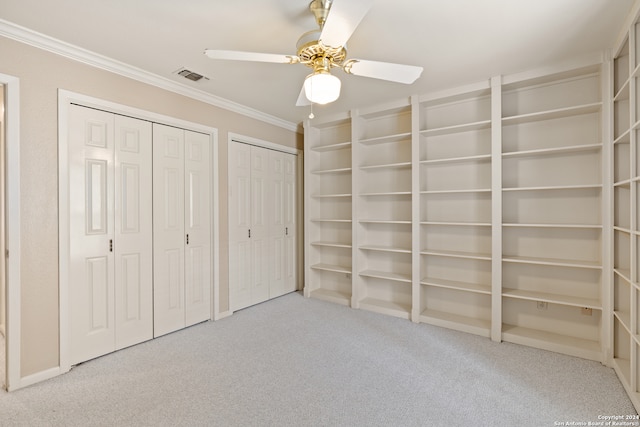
{"x": 260, "y": 248}
{"x": 282, "y": 223}
{"x": 133, "y": 250}
{"x": 91, "y": 286}
{"x": 289, "y": 209}
{"x": 240, "y": 252}
{"x": 276, "y": 204}
{"x": 168, "y": 229}
{"x": 262, "y": 224}
{"x": 198, "y": 229}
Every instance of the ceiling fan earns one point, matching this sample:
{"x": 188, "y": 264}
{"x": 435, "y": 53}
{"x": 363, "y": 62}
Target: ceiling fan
{"x": 325, "y": 48}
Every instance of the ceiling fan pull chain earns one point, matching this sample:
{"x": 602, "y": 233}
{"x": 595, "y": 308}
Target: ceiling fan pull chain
{"x": 311, "y": 116}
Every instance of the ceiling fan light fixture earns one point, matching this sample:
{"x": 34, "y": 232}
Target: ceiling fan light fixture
{"x": 322, "y": 87}
{"x": 324, "y": 48}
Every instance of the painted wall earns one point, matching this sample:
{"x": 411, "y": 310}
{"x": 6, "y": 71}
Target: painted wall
{"x": 41, "y": 74}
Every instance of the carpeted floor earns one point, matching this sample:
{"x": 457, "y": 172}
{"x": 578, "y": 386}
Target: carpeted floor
{"x": 303, "y": 362}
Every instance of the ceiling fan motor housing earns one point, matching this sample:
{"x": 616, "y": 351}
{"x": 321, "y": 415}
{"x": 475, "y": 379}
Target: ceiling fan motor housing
{"x": 310, "y": 50}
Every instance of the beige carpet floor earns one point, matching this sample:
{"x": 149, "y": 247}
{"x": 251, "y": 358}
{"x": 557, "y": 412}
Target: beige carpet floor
{"x": 302, "y": 362}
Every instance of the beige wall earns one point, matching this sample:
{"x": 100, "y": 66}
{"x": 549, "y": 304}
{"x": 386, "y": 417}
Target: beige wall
{"x": 41, "y": 74}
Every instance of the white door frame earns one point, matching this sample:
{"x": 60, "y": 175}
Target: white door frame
{"x": 238, "y": 138}
{"x": 12, "y": 227}
{"x": 65, "y": 99}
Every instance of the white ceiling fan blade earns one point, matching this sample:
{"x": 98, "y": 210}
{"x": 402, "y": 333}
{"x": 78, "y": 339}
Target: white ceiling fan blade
{"x": 235, "y": 55}
{"x": 344, "y": 17}
{"x": 302, "y": 101}
{"x": 399, "y": 73}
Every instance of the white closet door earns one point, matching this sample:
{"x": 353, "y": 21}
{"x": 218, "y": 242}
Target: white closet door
{"x": 277, "y": 254}
{"x": 259, "y": 241}
{"x": 91, "y": 184}
{"x": 262, "y": 257}
{"x": 198, "y": 229}
{"x": 168, "y": 229}
{"x": 133, "y": 232}
{"x": 289, "y": 210}
{"x": 240, "y": 255}
{"x": 248, "y": 225}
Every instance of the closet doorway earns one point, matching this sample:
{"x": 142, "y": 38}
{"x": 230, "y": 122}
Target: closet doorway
{"x": 10, "y": 231}
{"x": 3, "y": 269}
{"x": 105, "y": 206}
{"x": 263, "y": 210}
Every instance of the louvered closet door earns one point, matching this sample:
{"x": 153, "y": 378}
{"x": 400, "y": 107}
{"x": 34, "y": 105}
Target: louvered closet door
{"x": 133, "y": 249}
{"x": 198, "y": 229}
{"x": 168, "y": 229}
{"x": 91, "y": 267}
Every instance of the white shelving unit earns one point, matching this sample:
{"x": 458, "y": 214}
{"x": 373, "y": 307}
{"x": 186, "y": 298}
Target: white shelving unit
{"x": 382, "y": 158}
{"x": 625, "y": 103}
{"x": 508, "y": 208}
{"x": 328, "y": 212}
{"x": 455, "y": 210}
{"x": 478, "y": 209}
{"x": 552, "y": 212}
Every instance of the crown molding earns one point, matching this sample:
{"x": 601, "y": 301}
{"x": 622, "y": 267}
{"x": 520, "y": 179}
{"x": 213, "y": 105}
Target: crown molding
{"x": 58, "y": 47}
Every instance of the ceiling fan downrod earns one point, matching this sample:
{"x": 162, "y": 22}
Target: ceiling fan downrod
{"x": 320, "y": 9}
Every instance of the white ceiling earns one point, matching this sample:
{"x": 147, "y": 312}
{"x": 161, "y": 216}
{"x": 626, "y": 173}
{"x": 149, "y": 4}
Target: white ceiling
{"x": 456, "y": 41}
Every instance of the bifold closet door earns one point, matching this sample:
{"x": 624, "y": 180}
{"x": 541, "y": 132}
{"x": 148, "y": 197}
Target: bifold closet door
{"x": 168, "y": 229}
{"x": 133, "y": 243}
{"x": 182, "y": 242}
{"x": 198, "y": 228}
{"x": 290, "y": 223}
{"x": 282, "y": 224}
{"x": 248, "y": 268}
{"x": 110, "y": 249}
{"x": 240, "y": 254}
{"x": 262, "y": 224}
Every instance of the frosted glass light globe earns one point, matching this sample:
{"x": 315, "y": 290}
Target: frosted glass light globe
{"x": 322, "y": 87}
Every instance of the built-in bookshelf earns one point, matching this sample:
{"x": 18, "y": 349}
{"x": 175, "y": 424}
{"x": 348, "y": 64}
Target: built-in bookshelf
{"x": 478, "y": 209}
{"x": 625, "y": 200}
{"x": 455, "y": 211}
{"x": 382, "y": 156}
{"x": 552, "y": 212}
{"x": 328, "y": 212}
{"x": 508, "y": 208}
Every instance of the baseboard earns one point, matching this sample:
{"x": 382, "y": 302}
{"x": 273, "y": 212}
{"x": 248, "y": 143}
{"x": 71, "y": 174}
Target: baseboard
{"x": 36, "y": 378}
{"x": 223, "y": 314}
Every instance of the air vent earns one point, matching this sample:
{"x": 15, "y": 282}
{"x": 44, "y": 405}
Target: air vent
{"x": 191, "y": 75}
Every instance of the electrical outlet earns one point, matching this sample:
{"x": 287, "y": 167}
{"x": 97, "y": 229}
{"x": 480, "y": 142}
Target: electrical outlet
{"x": 586, "y": 311}
{"x": 542, "y": 305}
